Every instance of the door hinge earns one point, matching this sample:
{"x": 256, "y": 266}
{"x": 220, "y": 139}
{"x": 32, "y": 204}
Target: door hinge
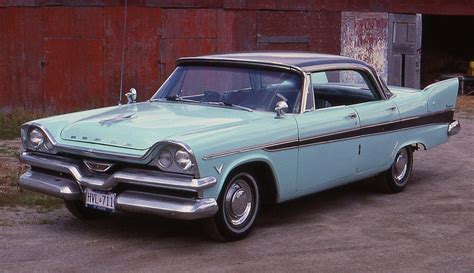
{"x": 359, "y": 149}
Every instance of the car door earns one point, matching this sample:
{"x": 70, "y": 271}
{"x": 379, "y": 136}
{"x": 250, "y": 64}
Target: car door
{"x": 325, "y": 154}
{"x": 376, "y": 143}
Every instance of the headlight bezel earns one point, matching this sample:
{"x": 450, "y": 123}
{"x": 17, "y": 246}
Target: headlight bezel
{"x": 175, "y": 148}
{"x": 45, "y": 145}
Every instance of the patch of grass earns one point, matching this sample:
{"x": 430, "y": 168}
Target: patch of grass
{"x": 465, "y": 104}
{"x": 19, "y": 197}
{"x": 11, "y": 121}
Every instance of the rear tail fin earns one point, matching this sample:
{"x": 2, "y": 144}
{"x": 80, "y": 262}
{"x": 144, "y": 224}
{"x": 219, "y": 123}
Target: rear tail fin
{"x": 442, "y": 95}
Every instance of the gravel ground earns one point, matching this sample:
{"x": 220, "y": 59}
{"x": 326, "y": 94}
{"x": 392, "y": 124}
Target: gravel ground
{"x": 429, "y": 227}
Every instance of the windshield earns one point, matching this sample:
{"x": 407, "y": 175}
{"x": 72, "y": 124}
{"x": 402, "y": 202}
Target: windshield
{"x": 247, "y": 88}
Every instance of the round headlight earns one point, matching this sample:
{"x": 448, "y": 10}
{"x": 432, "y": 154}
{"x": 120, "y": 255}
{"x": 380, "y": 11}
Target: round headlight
{"x": 183, "y": 160}
{"x": 165, "y": 159}
{"x": 36, "y": 137}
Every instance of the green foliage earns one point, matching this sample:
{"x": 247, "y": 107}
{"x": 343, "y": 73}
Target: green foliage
{"x": 11, "y": 121}
{"x": 24, "y": 198}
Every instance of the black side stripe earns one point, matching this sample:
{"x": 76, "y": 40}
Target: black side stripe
{"x": 439, "y": 117}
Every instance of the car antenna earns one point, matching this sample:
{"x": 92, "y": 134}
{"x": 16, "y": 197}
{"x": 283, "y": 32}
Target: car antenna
{"x": 123, "y": 51}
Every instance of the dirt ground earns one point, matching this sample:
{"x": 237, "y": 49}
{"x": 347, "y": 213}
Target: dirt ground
{"x": 429, "y": 227}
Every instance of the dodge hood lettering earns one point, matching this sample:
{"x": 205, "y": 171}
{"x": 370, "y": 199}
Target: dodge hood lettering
{"x": 143, "y": 124}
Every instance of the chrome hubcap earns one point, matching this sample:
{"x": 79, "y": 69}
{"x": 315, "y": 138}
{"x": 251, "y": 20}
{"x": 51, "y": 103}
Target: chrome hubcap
{"x": 238, "y": 202}
{"x": 400, "y": 167}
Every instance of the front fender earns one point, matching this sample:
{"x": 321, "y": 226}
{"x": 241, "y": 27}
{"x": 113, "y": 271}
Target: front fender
{"x": 283, "y": 165}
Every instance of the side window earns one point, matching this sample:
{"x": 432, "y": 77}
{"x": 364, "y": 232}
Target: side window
{"x": 341, "y": 87}
{"x": 319, "y": 78}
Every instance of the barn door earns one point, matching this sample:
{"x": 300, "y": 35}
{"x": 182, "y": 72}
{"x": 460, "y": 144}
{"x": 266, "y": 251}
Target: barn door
{"x": 404, "y": 50}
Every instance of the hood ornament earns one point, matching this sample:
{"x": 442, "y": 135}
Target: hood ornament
{"x": 116, "y": 119}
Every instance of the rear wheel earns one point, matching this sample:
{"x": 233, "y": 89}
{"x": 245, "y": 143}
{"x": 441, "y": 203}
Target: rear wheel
{"x": 78, "y": 209}
{"x": 239, "y": 204}
{"x": 396, "y": 178}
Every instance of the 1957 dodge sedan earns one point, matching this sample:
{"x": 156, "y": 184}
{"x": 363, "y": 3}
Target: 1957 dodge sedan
{"x": 226, "y": 133}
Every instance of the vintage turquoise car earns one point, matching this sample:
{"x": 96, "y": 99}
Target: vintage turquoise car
{"x": 226, "y": 133}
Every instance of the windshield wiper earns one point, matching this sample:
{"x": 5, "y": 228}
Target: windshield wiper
{"x": 176, "y": 98}
{"x": 225, "y": 103}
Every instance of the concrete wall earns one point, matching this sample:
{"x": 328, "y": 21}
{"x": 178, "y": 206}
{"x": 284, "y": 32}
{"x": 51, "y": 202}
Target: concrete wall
{"x": 364, "y": 36}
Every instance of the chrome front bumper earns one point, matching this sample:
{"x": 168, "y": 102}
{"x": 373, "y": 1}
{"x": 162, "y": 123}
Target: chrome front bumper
{"x": 71, "y": 187}
{"x": 454, "y": 128}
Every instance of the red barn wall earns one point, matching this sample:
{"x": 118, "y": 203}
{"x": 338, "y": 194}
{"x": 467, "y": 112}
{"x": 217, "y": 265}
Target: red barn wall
{"x": 58, "y": 55}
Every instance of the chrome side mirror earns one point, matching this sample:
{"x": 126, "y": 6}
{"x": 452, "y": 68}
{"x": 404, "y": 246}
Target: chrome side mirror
{"x": 131, "y": 95}
{"x": 281, "y": 108}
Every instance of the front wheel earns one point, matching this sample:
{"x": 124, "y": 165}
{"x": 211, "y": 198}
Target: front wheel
{"x": 239, "y": 204}
{"x": 396, "y": 178}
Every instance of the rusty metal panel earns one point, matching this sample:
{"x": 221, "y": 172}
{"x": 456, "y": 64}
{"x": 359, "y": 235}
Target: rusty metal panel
{"x": 184, "y": 3}
{"x": 364, "y": 36}
{"x": 186, "y": 32}
{"x": 70, "y": 22}
{"x": 142, "y": 51}
{"x": 171, "y": 49}
{"x": 189, "y": 23}
{"x": 283, "y": 30}
{"x": 268, "y": 4}
{"x": 21, "y": 49}
{"x": 73, "y": 75}
{"x": 236, "y": 30}
{"x": 17, "y": 3}
{"x": 326, "y": 32}
{"x": 317, "y": 31}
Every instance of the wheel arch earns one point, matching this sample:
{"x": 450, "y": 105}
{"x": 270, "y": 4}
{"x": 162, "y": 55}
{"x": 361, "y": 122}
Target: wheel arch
{"x": 265, "y": 172}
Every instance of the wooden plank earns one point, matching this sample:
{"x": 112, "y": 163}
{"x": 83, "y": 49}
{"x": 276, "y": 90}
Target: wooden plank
{"x": 410, "y": 71}
{"x": 395, "y": 74}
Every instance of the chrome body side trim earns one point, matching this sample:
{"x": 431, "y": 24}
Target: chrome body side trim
{"x": 246, "y": 149}
{"x": 141, "y": 177}
{"x": 300, "y": 142}
{"x": 166, "y": 206}
{"x": 454, "y": 128}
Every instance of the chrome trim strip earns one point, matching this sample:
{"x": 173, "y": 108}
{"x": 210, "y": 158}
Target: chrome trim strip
{"x": 127, "y": 176}
{"x": 350, "y": 66}
{"x": 263, "y": 146}
{"x": 245, "y": 149}
{"x": 166, "y": 206}
{"x": 44, "y": 183}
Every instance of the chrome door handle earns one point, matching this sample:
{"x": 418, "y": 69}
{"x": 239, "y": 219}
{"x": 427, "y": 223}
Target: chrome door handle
{"x": 392, "y": 108}
{"x": 352, "y": 115}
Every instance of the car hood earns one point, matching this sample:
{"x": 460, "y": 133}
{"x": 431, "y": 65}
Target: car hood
{"x": 139, "y": 126}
